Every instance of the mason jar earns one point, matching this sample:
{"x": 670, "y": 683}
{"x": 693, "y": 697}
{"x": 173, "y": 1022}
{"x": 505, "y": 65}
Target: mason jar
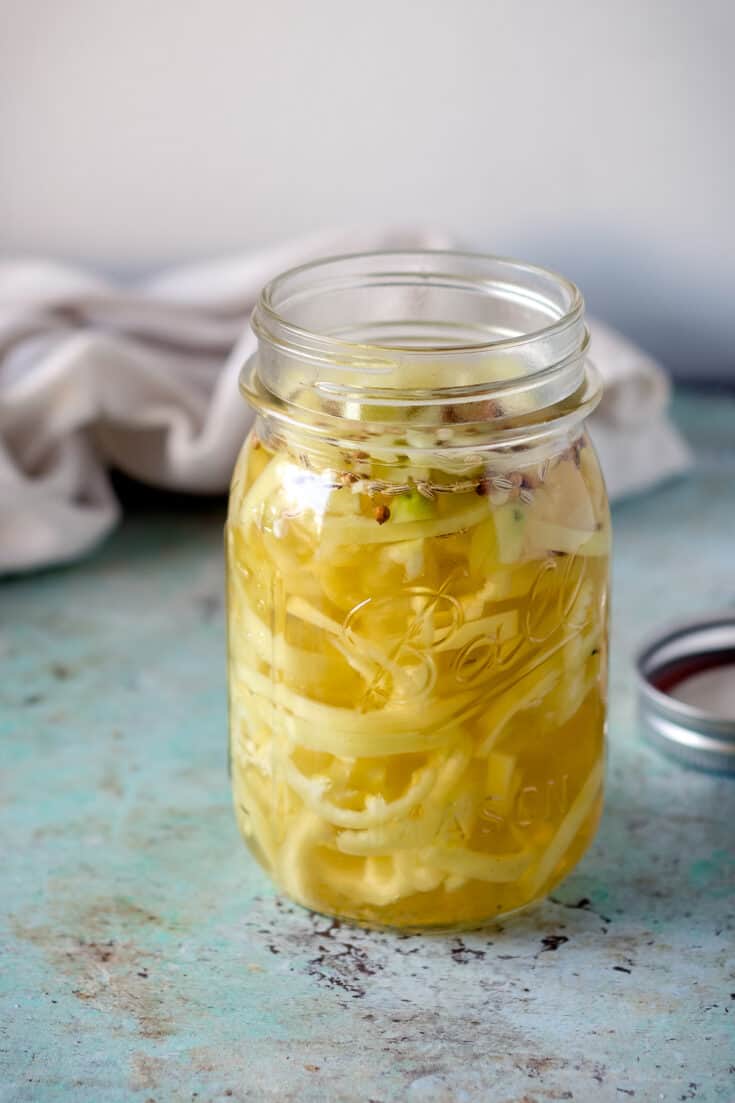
{"x": 417, "y": 551}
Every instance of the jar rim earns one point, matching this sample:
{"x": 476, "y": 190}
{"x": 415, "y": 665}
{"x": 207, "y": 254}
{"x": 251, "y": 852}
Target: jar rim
{"x": 271, "y": 323}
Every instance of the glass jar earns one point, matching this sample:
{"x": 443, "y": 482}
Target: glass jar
{"x": 417, "y": 545}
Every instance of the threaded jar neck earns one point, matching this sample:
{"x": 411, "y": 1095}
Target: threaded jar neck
{"x": 483, "y": 344}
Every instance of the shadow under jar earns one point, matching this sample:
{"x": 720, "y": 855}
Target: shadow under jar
{"x": 417, "y": 547}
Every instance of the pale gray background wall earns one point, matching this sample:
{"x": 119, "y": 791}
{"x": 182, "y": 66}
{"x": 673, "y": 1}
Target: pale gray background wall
{"x": 595, "y": 136}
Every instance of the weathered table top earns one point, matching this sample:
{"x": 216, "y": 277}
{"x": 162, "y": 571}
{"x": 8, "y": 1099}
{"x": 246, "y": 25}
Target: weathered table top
{"x": 145, "y": 957}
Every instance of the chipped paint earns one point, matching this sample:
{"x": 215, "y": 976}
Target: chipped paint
{"x": 146, "y": 957}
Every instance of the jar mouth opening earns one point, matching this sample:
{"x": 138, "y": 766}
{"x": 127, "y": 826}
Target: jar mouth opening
{"x": 415, "y": 304}
{"x": 356, "y": 335}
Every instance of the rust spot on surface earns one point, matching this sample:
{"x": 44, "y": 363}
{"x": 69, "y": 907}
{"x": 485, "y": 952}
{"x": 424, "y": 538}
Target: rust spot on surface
{"x": 462, "y": 954}
{"x": 583, "y": 904}
{"x": 553, "y": 942}
{"x": 146, "y": 1072}
{"x": 344, "y": 966}
{"x": 110, "y": 783}
{"x": 535, "y": 1067}
{"x": 105, "y": 972}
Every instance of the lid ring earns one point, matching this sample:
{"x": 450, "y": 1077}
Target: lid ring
{"x": 693, "y": 735}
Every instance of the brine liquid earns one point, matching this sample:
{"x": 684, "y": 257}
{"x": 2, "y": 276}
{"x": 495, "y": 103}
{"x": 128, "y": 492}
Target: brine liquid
{"x": 417, "y": 681}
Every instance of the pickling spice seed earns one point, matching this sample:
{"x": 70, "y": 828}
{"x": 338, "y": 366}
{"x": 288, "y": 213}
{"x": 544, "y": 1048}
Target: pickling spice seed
{"x": 471, "y": 411}
{"x": 381, "y": 514}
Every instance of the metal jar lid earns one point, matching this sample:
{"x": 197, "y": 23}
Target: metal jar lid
{"x": 692, "y": 734}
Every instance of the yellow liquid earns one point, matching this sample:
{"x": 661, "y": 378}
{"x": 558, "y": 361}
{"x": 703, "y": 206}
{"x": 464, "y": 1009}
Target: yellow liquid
{"x": 417, "y": 684}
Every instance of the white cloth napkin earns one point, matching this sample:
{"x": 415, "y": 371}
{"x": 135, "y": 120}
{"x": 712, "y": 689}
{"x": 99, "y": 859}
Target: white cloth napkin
{"x": 143, "y": 377}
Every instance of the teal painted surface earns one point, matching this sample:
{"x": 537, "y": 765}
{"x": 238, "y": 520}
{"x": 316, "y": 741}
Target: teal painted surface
{"x": 145, "y": 957}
